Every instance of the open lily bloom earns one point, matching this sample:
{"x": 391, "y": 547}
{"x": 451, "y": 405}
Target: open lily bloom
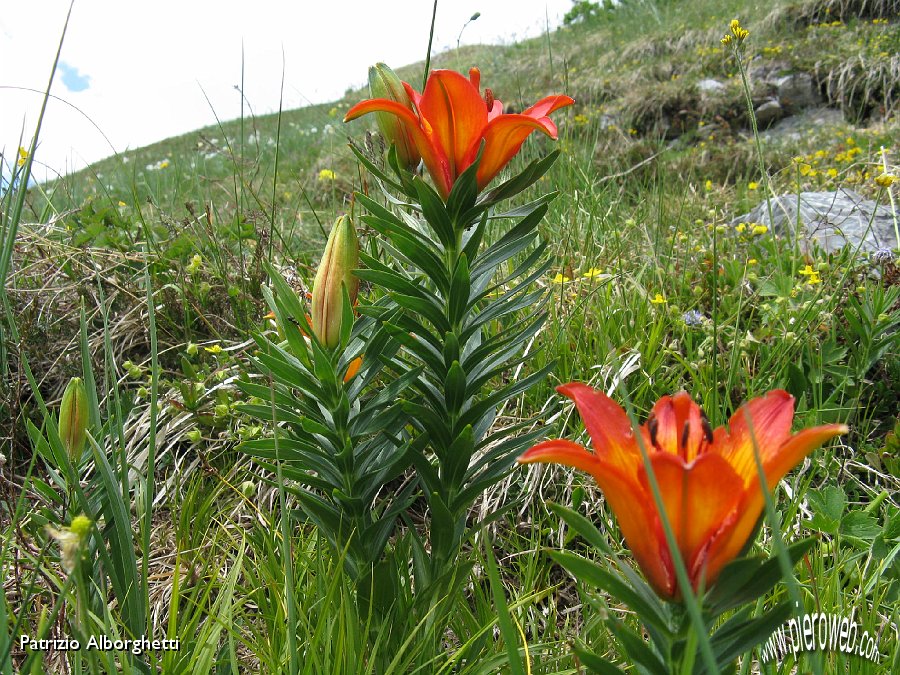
{"x": 708, "y": 478}
{"x": 451, "y": 119}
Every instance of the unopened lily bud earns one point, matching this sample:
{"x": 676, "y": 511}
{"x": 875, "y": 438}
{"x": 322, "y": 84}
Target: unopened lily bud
{"x": 384, "y": 83}
{"x": 73, "y": 419}
{"x": 335, "y": 271}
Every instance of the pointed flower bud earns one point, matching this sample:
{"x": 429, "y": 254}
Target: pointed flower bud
{"x": 73, "y": 419}
{"x": 384, "y": 84}
{"x": 341, "y": 257}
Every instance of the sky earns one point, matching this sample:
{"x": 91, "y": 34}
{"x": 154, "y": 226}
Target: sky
{"x": 135, "y": 72}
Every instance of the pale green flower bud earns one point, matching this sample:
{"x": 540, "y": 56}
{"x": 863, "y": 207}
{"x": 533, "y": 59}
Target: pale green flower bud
{"x": 335, "y": 271}
{"x": 70, "y": 540}
{"x": 384, "y": 83}
{"x": 73, "y": 419}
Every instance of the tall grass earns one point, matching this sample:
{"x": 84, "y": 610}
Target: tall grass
{"x": 653, "y": 290}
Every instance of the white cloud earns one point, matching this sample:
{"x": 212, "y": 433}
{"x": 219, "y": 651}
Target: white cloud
{"x": 150, "y": 63}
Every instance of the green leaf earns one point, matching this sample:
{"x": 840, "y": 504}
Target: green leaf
{"x": 860, "y": 524}
{"x": 592, "y": 574}
{"x": 464, "y": 192}
{"x": 504, "y": 619}
{"x": 828, "y": 506}
{"x": 472, "y": 237}
{"x": 582, "y": 526}
{"x": 595, "y": 662}
{"x": 435, "y": 213}
{"x": 455, "y": 388}
{"x": 637, "y": 649}
{"x": 746, "y": 579}
{"x": 531, "y": 174}
{"x": 460, "y": 284}
{"x": 738, "y": 635}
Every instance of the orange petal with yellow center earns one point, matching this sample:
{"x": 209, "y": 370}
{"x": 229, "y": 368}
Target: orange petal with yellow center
{"x": 502, "y": 139}
{"x": 776, "y": 466}
{"x": 771, "y": 416}
{"x": 632, "y": 506}
{"x": 457, "y": 114}
{"x": 700, "y": 501}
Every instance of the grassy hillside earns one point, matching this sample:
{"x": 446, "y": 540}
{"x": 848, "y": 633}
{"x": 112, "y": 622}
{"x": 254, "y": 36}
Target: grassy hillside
{"x": 652, "y": 285}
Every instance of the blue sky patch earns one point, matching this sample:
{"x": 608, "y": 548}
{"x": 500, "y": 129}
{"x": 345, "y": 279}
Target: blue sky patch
{"x": 72, "y": 79}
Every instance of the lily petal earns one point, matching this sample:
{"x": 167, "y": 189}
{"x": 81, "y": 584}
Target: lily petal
{"x": 776, "y": 467}
{"x": 635, "y": 513}
{"x": 503, "y": 138}
{"x": 547, "y": 105}
{"x": 421, "y": 132}
{"x": 606, "y": 423}
{"x": 701, "y": 499}
{"x": 456, "y": 112}
{"x": 772, "y": 416}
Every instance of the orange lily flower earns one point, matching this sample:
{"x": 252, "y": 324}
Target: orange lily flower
{"x": 707, "y": 478}
{"x": 451, "y": 119}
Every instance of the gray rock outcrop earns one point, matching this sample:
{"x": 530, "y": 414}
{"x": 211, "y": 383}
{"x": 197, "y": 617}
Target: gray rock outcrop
{"x": 830, "y": 219}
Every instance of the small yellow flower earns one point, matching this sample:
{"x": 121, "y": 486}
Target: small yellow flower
{"x": 560, "y": 278}
{"x": 121, "y": 203}
{"x": 23, "y": 156}
{"x": 658, "y": 299}
{"x": 327, "y": 174}
{"x": 752, "y": 186}
{"x": 885, "y": 180}
{"x": 709, "y": 185}
{"x": 581, "y": 119}
{"x": 164, "y": 164}
{"x": 593, "y": 272}
{"x": 832, "y": 172}
{"x": 759, "y": 228}
{"x": 807, "y": 271}
{"x": 740, "y": 227}
{"x": 726, "y": 40}
{"x": 752, "y": 261}
{"x": 215, "y": 349}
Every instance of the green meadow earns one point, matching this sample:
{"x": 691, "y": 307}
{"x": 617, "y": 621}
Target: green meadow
{"x": 150, "y": 275}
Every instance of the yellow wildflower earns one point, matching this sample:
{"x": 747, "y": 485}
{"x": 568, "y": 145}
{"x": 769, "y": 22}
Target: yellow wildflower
{"x": 581, "y": 119}
{"x": 709, "y": 185}
{"x": 752, "y": 185}
{"x": 327, "y": 174}
{"x": 885, "y": 180}
{"x": 740, "y": 227}
{"x": 658, "y": 299}
{"x": 215, "y": 349}
{"x": 560, "y": 278}
{"x": 593, "y": 272}
{"x": 23, "y": 156}
{"x": 759, "y": 228}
